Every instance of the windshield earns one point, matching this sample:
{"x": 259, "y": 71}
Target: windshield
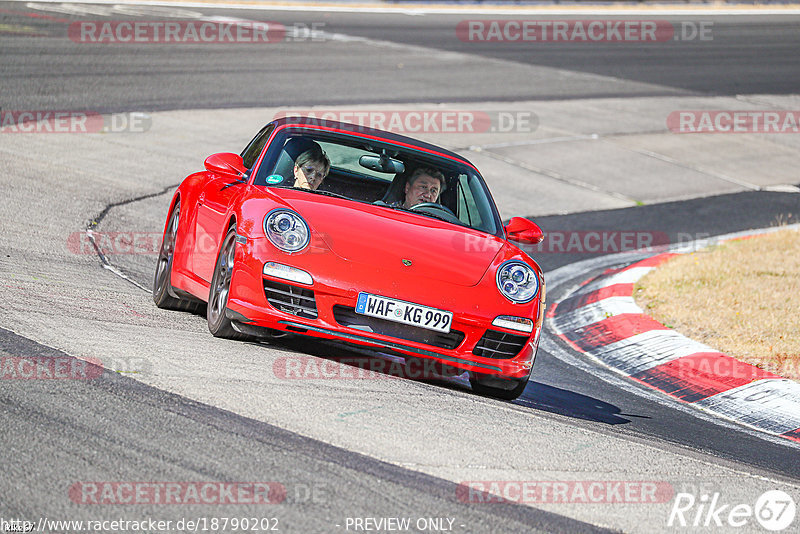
{"x": 380, "y": 173}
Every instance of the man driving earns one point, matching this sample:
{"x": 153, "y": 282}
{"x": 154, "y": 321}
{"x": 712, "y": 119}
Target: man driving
{"x": 424, "y": 185}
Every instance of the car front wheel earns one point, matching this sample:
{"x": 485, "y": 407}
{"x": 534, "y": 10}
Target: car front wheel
{"x": 218, "y": 322}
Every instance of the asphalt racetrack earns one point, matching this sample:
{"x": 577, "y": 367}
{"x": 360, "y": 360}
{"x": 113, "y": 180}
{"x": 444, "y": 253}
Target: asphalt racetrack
{"x": 169, "y": 403}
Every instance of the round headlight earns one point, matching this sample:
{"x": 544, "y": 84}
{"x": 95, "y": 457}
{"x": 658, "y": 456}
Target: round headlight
{"x": 518, "y": 274}
{"x": 287, "y": 230}
{"x": 517, "y": 282}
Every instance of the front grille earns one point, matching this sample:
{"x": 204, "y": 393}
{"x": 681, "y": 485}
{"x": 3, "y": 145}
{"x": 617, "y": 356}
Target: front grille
{"x": 347, "y": 316}
{"x": 499, "y": 345}
{"x": 298, "y": 301}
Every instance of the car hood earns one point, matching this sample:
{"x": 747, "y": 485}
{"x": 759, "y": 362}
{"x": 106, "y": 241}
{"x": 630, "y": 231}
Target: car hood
{"x": 389, "y": 239}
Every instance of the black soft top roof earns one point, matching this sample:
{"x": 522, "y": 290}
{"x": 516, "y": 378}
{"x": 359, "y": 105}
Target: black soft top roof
{"x": 390, "y": 137}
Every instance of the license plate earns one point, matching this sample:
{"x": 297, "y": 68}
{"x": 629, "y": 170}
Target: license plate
{"x": 404, "y": 312}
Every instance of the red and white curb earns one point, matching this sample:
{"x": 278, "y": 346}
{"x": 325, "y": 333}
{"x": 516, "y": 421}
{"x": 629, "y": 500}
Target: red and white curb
{"x": 600, "y": 319}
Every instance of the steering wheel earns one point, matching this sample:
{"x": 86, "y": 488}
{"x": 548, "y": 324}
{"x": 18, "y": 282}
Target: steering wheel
{"x": 433, "y": 205}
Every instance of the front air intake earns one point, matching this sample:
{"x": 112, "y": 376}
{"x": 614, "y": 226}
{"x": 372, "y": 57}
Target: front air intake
{"x": 499, "y": 345}
{"x": 298, "y": 301}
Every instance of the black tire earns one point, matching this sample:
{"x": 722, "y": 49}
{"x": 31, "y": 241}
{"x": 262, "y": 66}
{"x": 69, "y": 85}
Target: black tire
{"x": 218, "y": 323}
{"x": 502, "y": 388}
{"x": 163, "y": 293}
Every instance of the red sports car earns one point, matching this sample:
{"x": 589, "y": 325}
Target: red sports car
{"x": 357, "y": 258}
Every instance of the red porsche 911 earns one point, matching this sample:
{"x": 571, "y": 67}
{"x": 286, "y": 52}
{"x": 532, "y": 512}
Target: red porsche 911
{"x": 346, "y": 233}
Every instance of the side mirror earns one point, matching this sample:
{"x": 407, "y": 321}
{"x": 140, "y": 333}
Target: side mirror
{"x": 226, "y": 163}
{"x": 524, "y": 231}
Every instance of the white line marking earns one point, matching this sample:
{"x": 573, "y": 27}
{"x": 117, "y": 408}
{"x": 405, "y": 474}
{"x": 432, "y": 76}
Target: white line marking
{"x": 544, "y": 141}
{"x": 107, "y": 264}
{"x": 418, "y": 10}
{"x": 695, "y": 168}
{"x": 101, "y": 10}
{"x": 782, "y": 188}
{"x": 628, "y": 276}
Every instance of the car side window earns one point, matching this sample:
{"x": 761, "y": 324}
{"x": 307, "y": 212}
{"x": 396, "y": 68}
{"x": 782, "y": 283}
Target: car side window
{"x": 254, "y": 148}
{"x": 467, "y": 207}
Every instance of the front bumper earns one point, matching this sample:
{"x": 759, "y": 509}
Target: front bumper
{"x": 322, "y": 305}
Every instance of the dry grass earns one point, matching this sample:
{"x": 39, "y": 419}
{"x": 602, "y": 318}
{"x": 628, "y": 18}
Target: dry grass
{"x": 741, "y": 298}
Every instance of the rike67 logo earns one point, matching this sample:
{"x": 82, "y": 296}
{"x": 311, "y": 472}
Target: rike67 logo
{"x": 774, "y": 510}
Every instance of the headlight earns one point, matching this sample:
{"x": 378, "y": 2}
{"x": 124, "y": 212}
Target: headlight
{"x": 287, "y": 230}
{"x": 517, "y": 282}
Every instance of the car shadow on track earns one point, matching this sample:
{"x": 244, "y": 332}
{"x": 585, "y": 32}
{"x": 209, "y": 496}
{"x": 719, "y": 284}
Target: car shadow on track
{"x": 564, "y": 402}
{"x": 360, "y": 363}
{"x": 364, "y": 364}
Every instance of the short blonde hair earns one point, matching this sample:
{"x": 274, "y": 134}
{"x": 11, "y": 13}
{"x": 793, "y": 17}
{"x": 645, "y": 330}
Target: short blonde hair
{"x": 315, "y": 154}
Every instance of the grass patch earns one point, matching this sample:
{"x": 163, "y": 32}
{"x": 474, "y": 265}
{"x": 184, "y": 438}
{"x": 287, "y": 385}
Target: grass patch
{"x": 741, "y": 298}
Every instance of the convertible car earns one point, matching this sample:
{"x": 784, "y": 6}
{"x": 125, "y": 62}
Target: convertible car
{"x": 350, "y": 261}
